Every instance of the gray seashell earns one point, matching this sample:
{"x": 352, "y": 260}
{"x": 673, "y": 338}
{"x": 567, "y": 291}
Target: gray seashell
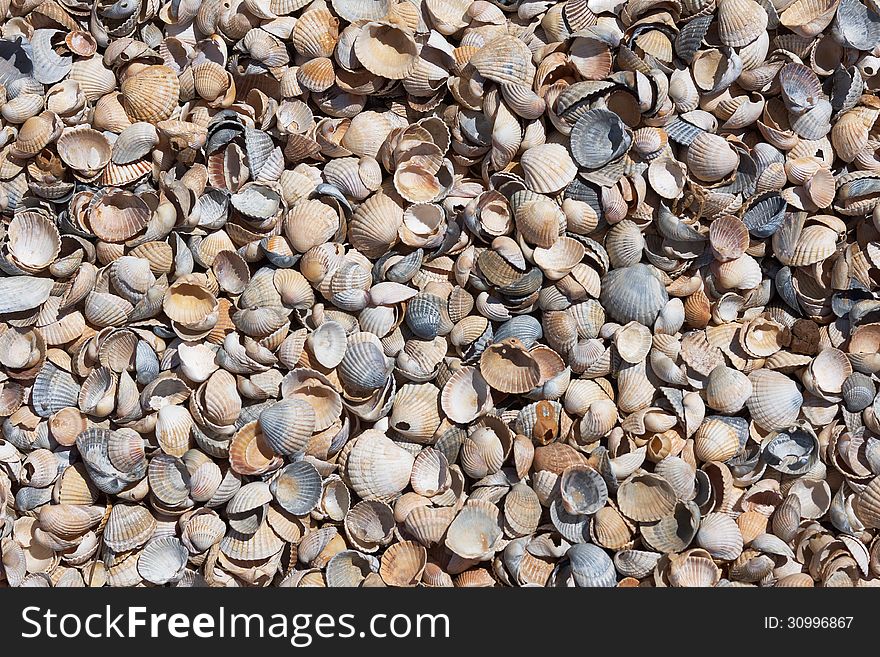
{"x": 259, "y": 147}
{"x": 583, "y": 490}
{"x": 287, "y": 426}
{"x": 636, "y": 563}
{"x": 49, "y": 66}
{"x": 674, "y": 228}
{"x": 364, "y": 367}
{"x": 146, "y": 363}
{"x": 784, "y": 283}
{"x": 53, "y": 390}
{"x": 404, "y": 269}
{"x": 94, "y": 446}
{"x": 423, "y": 315}
{"x": 633, "y": 294}
{"x": 765, "y": 215}
{"x": 682, "y": 131}
{"x": 213, "y": 208}
{"x": 858, "y": 392}
{"x": 591, "y": 566}
{"x": 525, "y": 328}
{"x": 815, "y": 123}
{"x": 690, "y": 37}
{"x": 598, "y": 137}
{"x": 800, "y": 87}
{"x": 297, "y": 488}
{"x": 792, "y": 451}
{"x": 573, "y": 527}
{"x": 857, "y": 25}
{"x": 28, "y": 498}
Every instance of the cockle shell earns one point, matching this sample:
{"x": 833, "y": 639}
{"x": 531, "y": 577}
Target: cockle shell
{"x": 445, "y": 293}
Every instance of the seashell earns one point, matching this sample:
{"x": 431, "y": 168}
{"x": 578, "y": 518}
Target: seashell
{"x": 693, "y": 568}
{"x": 645, "y": 497}
{"x": 466, "y": 396}
{"x": 775, "y": 401}
{"x": 474, "y": 531}
{"x": 150, "y": 95}
{"x": 591, "y": 566}
{"x": 793, "y": 451}
{"x": 162, "y": 560}
{"x": 128, "y": 527}
{"x": 287, "y": 426}
{"x": 709, "y": 157}
{"x": 583, "y": 490}
{"x": 297, "y": 488}
{"x": 33, "y": 241}
{"x": 598, "y": 137}
{"x": 715, "y": 440}
{"x": 719, "y": 535}
{"x": 386, "y": 50}
{"x": 633, "y": 294}
{"x": 504, "y": 59}
{"x": 740, "y": 22}
{"x": 377, "y": 468}
{"x": 510, "y": 368}
{"x": 729, "y": 238}
{"x": 547, "y": 168}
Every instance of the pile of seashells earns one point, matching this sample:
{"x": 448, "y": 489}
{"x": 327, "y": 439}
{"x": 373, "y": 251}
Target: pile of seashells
{"x": 439, "y": 293}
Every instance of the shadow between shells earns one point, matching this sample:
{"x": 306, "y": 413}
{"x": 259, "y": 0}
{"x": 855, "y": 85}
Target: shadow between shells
{"x": 439, "y": 293}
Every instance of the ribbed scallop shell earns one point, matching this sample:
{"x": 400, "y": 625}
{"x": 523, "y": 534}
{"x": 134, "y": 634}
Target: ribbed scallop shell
{"x": 740, "y": 22}
{"x": 162, "y": 560}
{"x": 403, "y": 563}
{"x": 151, "y": 94}
{"x": 727, "y": 390}
{"x": 386, "y": 50}
{"x": 504, "y": 59}
{"x": 369, "y": 525}
{"x": 287, "y": 425}
{"x": 591, "y": 566}
{"x": 633, "y": 294}
{"x": 645, "y": 497}
{"x": 297, "y": 488}
{"x": 128, "y": 527}
{"x": 133, "y": 143}
{"x": 508, "y": 367}
{"x": 249, "y": 453}
{"x": 583, "y": 490}
{"x": 710, "y": 157}
{"x": 547, "y": 168}
{"x": 693, "y": 569}
{"x": 374, "y": 225}
{"x": 715, "y": 440}
{"x": 466, "y": 395}
{"x": 118, "y": 216}
{"x": 33, "y": 241}
{"x": 598, "y": 137}
{"x": 775, "y": 401}
{"x": 719, "y": 535}
{"x": 377, "y": 468}
{"x": 475, "y": 531}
